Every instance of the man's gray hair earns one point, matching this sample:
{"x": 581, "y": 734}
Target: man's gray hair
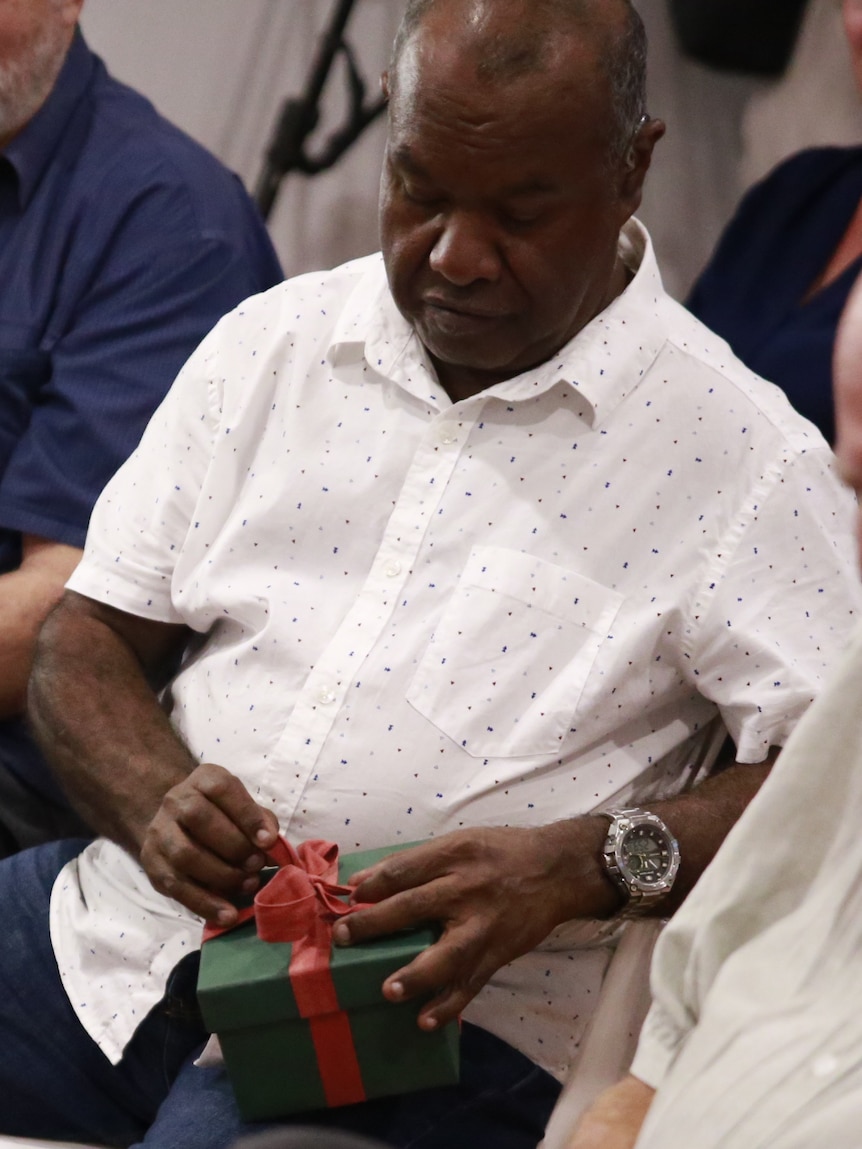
{"x": 623, "y": 52}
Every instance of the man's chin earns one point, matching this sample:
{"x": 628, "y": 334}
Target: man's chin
{"x": 453, "y": 352}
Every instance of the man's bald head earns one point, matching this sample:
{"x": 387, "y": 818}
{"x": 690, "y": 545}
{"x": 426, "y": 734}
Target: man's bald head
{"x": 512, "y": 38}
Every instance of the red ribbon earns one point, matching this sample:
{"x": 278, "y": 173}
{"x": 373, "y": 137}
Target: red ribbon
{"x": 299, "y": 905}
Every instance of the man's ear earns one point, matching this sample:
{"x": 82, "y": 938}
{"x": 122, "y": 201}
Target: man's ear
{"x": 384, "y": 85}
{"x": 637, "y": 161}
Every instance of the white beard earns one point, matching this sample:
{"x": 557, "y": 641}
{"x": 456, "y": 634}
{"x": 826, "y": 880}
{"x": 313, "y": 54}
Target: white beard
{"x": 26, "y": 81}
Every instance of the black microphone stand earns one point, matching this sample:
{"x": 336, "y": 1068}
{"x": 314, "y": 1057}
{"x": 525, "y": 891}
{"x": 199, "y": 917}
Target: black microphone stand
{"x": 299, "y": 116}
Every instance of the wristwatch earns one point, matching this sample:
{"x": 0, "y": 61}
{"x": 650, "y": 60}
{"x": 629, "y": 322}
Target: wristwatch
{"x": 641, "y": 856}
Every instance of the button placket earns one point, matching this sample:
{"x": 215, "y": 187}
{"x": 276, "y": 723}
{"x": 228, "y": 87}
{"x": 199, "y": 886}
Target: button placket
{"x": 319, "y": 702}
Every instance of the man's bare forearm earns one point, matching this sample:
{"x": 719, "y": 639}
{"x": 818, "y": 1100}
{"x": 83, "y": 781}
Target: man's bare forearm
{"x": 700, "y": 820}
{"x": 99, "y": 722}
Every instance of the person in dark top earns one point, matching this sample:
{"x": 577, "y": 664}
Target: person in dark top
{"x": 764, "y": 290}
{"x": 780, "y": 276}
{"x": 122, "y": 241}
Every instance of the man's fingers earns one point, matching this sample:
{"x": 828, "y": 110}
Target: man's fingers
{"x": 200, "y": 901}
{"x": 198, "y": 883}
{"x": 452, "y": 971}
{"x": 403, "y": 871}
{"x": 193, "y": 859}
{"x": 205, "y": 823}
{"x": 224, "y": 791}
{"x": 183, "y": 869}
{"x": 399, "y": 912}
{"x": 444, "y": 1008}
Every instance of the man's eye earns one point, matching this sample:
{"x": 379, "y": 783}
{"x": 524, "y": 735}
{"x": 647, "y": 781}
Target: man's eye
{"x": 521, "y": 217}
{"x": 418, "y": 195}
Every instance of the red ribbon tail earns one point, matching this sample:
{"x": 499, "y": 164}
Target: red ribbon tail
{"x": 331, "y": 1034}
{"x": 336, "y": 1059}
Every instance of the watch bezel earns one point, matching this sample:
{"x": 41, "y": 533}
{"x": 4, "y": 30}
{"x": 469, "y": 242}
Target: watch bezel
{"x": 665, "y": 884}
{"x": 639, "y": 894}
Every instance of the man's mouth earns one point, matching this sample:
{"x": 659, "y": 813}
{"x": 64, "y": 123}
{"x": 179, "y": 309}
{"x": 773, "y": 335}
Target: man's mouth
{"x": 463, "y": 308}
{"x": 460, "y": 320}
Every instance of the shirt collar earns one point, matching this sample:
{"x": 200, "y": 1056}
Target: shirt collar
{"x": 371, "y": 323}
{"x": 37, "y": 144}
{"x": 604, "y": 362}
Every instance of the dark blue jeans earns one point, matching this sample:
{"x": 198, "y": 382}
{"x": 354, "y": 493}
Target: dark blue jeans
{"x": 55, "y": 1083}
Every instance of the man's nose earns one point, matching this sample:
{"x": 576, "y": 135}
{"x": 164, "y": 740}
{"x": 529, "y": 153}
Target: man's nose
{"x": 465, "y": 250}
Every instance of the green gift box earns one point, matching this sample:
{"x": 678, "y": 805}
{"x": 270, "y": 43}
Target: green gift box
{"x": 280, "y": 1062}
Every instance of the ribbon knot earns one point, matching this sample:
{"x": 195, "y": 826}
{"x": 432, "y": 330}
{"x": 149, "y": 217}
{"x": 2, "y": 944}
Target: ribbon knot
{"x": 304, "y": 893}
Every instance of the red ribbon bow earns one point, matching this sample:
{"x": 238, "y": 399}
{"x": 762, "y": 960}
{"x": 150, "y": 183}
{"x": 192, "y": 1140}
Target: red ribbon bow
{"x": 299, "y": 904}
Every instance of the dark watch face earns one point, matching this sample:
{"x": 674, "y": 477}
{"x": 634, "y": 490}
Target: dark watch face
{"x": 646, "y": 854}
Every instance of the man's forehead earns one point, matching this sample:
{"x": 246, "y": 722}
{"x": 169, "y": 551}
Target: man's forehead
{"x": 523, "y": 185}
{"x": 434, "y": 72}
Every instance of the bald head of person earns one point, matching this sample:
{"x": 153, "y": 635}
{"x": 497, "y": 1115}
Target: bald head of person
{"x": 518, "y": 146}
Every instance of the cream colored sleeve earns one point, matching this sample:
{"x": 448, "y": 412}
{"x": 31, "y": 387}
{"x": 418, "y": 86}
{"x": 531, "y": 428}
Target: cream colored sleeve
{"x": 760, "y": 874}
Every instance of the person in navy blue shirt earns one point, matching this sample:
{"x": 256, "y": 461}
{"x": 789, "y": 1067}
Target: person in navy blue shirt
{"x": 780, "y": 276}
{"x": 122, "y": 242}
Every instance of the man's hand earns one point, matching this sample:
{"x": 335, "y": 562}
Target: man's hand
{"x": 207, "y": 843}
{"x": 615, "y": 1118}
{"x": 497, "y": 893}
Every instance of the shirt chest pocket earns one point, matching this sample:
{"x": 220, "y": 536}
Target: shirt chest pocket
{"x": 506, "y": 666}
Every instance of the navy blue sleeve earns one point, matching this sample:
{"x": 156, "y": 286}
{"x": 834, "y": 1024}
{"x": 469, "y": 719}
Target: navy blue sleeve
{"x": 756, "y": 291}
{"x": 748, "y": 242}
{"x": 159, "y": 284}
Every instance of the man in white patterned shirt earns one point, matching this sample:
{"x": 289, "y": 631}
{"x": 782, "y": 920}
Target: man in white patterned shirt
{"x": 470, "y": 539}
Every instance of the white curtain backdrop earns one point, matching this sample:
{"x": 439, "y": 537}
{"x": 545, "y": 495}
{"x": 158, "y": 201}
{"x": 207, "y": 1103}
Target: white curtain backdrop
{"x": 220, "y": 69}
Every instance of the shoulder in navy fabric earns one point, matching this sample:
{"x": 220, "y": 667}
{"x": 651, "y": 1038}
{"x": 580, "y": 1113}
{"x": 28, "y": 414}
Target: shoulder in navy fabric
{"x": 754, "y": 290}
{"x": 122, "y": 241}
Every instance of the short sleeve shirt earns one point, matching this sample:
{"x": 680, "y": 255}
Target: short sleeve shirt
{"x": 420, "y": 616}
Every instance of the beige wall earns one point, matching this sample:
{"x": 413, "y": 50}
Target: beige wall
{"x": 220, "y": 69}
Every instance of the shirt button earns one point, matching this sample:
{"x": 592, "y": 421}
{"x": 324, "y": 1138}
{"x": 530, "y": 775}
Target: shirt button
{"x": 326, "y": 696}
{"x": 392, "y": 569}
{"x": 447, "y": 437}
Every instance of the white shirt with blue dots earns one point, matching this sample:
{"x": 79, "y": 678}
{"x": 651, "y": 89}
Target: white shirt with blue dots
{"x": 552, "y": 596}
